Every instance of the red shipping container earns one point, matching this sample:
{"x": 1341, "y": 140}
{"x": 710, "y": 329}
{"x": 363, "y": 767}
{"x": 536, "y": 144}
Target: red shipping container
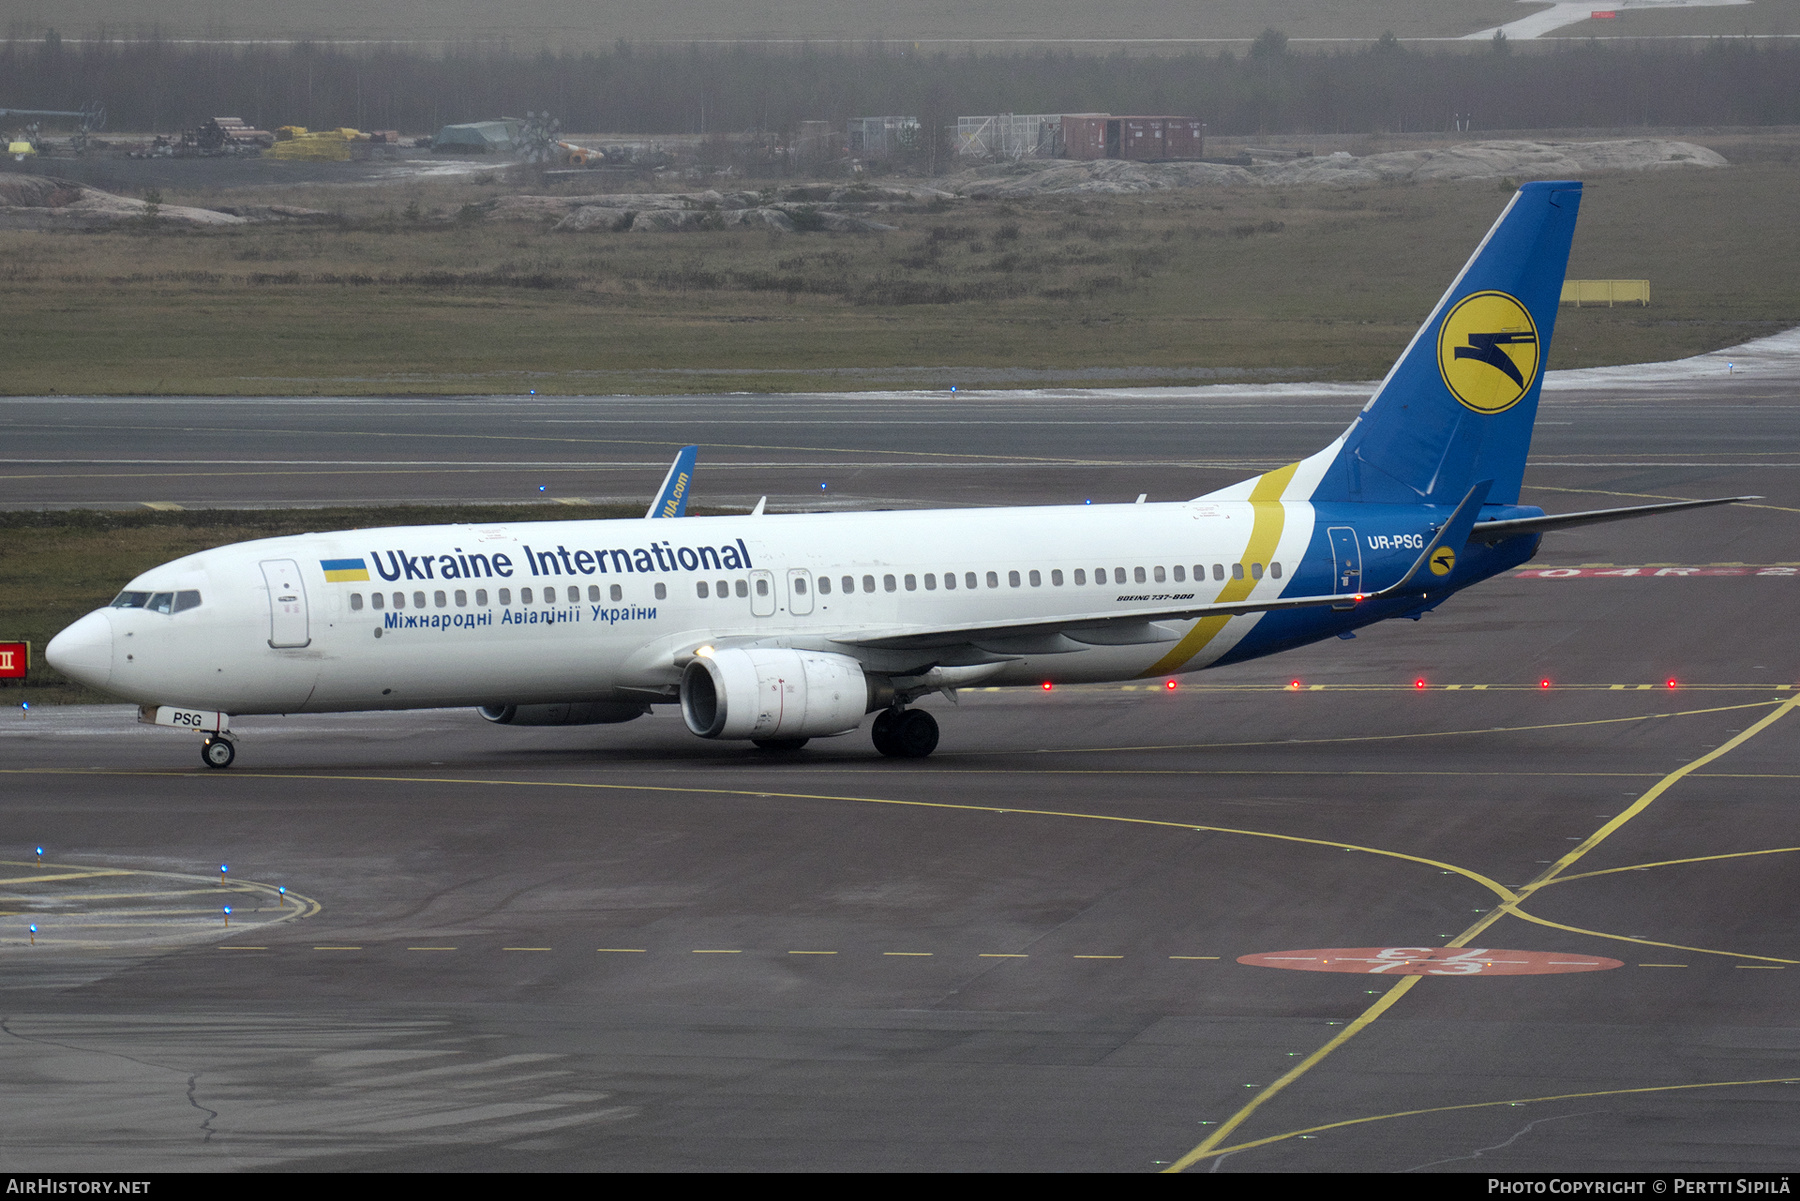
{"x": 1144, "y": 139}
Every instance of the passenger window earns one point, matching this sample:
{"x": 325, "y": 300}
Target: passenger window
{"x": 418, "y": 600}
{"x": 950, "y": 581}
{"x": 1080, "y": 576}
{"x": 800, "y": 585}
{"x": 824, "y": 585}
{"x": 574, "y": 595}
{"x": 1237, "y": 571}
{"x": 887, "y": 583}
{"x": 1275, "y": 571}
{"x": 506, "y": 596}
{"x": 356, "y": 600}
{"x": 186, "y": 600}
{"x": 700, "y": 590}
{"x": 724, "y": 589}
{"x": 131, "y": 600}
{"x": 1218, "y": 571}
{"x": 912, "y": 583}
{"x": 594, "y": 592}
{"x": 1180, "y": 573}
{"x": 376, "y": 599}
{"x": 1256, "y": 571}
{"x": 481, "y": 597}
{"x": 968, "y": 579}
{"x": 524, "y": 596}
{"x": 1099, "y": 575}
{"x": 993, "y": 579}
{"x": 1056, "y": 577}
{"x": 162, "y": 602}
{"x": 440, "y": 600}
{"x": 868, "y": 583}
{"x": 762, "y": 587}
{"x": 1137, "y": 574}
{"x": 618, "y": 593}
{"x": 462, "y": 599}
{"x": 1158, "y": 575}
{"x": 743, "y": 589}
{"x": 662, "y": 591}
{"x": 1012, "y": 578}
{"x": 930, "y": 582}
{"x": 1037, "y": 581}
{"x": 849, "y": 583}
{"x": 399, "y": 600}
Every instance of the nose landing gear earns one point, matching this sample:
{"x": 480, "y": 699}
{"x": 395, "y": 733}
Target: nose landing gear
{"x": 905, "y": 733}
{"x": 217, "y": 752}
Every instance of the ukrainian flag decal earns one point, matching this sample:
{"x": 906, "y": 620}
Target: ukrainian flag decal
{"x": 344, "y": 571}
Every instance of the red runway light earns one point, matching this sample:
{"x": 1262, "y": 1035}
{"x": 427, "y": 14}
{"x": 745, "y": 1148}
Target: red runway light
{"x": 1170, "y": 685}
{"x": 1046, "y": 685}
{"x": 1293, "y": 683}
{"x": 1543, "y": 683}
{"x": 1671, "y": 683}
{"x": 1418, "y": 683}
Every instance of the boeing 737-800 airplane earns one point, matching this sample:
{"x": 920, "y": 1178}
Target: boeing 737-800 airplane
{"x": 777, "y": 629}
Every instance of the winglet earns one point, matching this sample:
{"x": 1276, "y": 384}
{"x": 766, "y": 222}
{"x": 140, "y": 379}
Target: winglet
{"x": 671, "y": 498}
{"x": 1440, "y": 553}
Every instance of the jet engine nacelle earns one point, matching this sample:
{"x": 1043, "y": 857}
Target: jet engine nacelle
{"x": 569, "y": 713}
{"x": 776, "y": 693}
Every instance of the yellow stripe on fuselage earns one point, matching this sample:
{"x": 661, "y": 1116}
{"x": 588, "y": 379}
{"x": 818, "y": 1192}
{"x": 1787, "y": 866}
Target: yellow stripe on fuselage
{"x": 1268, "y": 518}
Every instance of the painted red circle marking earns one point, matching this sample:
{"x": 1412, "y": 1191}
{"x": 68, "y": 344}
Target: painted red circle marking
{"x": 1431, "y": 961}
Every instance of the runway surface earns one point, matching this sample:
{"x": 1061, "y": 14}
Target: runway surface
{"x": 625, "y": 948}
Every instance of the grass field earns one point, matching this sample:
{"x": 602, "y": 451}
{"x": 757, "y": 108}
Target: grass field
{"x": 54, "y": 567}
{"x": 529, "y": 24}
{"x": 1291, "y": 283}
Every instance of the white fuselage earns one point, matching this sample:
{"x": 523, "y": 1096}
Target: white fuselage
{"x": 615, "y": 606}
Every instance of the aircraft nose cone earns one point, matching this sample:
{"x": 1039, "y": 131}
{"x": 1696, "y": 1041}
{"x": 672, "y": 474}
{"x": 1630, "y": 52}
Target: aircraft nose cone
{"x": 84, "y": 651}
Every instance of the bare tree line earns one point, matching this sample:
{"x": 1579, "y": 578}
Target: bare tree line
{"x": 1384, "y": 87}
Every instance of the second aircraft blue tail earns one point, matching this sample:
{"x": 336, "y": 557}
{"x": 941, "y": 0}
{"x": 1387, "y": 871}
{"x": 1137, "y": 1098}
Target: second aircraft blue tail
{"x": 1459, "y": 405}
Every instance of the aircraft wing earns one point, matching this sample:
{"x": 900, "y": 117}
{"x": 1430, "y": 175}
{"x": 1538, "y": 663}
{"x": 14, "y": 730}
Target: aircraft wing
{"x": 1495, "y": 531}
{"x": 671, "y": 499}
{"x": 1046, "y": 635}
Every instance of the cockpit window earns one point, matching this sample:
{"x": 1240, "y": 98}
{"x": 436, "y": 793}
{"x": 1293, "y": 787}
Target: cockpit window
{"x": 161, "y": 602}
{"x": 186, "y": 600}
{"x": 130, "y": 600}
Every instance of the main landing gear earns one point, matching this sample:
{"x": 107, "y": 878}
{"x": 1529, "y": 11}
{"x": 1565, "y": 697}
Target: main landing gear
{"x": 217, "y": 751}
{"x": 905, "y": 733}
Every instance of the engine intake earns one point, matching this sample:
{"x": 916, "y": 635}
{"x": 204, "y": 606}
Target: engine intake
{"x": 569, "y": 713}
{"x": 776, "y": 693}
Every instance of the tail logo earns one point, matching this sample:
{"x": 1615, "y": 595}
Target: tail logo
{"x": 1488, "y": 351}
{"x": 1443, "y": 561}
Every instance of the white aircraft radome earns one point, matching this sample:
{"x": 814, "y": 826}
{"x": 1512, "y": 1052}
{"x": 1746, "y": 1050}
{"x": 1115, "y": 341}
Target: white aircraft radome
{"x": 778, "y": 629}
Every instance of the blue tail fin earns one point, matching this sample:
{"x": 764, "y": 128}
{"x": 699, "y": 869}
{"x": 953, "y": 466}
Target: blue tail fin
{"x": 1459, "y": 405}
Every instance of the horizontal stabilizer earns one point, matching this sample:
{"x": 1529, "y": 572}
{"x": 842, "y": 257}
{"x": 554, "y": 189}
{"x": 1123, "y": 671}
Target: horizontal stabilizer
{"x": 1490, "y": 532}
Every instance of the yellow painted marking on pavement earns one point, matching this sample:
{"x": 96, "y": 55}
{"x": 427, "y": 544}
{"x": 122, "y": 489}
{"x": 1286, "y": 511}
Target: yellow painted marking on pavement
{"x": 243, "y": 948}
{"x": 1640, "y": 867}
{"x": 996, "y": 955}
{"x": 431, "y": 948}
{"x": 1662, "y": 965}
{"x": 619, "y": 950}
{"x": 165, "y": 506}
{"x": 1649, "y": 495}
{"x": 1400, "y": 988}
{"x": 911, "y": 954}
{"x": 1760, "y": 967}
{"x": 1413, "y": 1113}
{"x": 812, "y": 952}
{"x": 718, "y": 952}
{"x": 63, "y": 876}
{"x": 1193, "y": 957}
{"x": 1099, "y": 956}
{"x": 1208, "y": 746}
{"x": 1268, "y": 516}
{"x": 1642, "y": 942}
{"x": 337, "y": 948}
{"x": 524, "y": 948}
